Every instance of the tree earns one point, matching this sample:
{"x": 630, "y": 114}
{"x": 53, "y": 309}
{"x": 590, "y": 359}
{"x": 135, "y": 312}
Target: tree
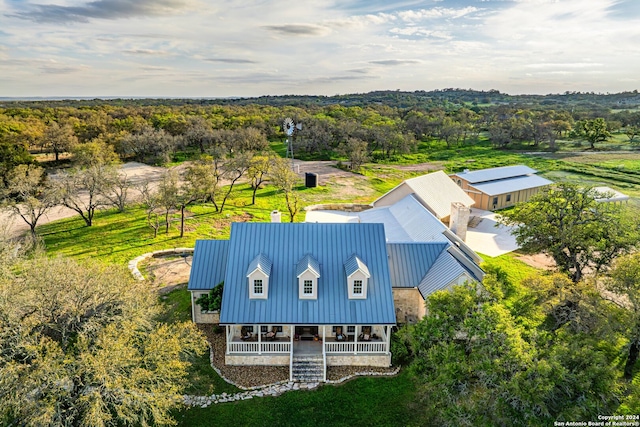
{"x": 151, "y": 202}
{"x": 116, "y": 188}
{"x": 96, "y": 152}
{"x": 234, "y": 168}
{"x": 80, "y": 346}
{"x": 632, "y": 131}
{"x": 11, "y": 155}
{"x": 286, "y": 180}
{"x": 81, "y": 190}
{"x": 59, "y": 138}
{"x": 355, "y": 150}
{"x": 594, "y": 130}
{"x": 168, "y": 194}
{"x": 149, "y": 146}
{"x": 199, "y": 133}
{"x": 28, "y": 195}
{"x": 570, "y": 225}
{"x": 258, "y": 169}
{"x": 624, "y": 281}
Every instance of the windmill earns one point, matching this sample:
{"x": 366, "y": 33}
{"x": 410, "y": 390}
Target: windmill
{"x": 289, "y": 127}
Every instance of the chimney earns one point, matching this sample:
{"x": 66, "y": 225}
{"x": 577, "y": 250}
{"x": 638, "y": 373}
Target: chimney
{"x": 459, "y": 220}
{"x": 465, "y": 171}
{"x": 276, "y": 216}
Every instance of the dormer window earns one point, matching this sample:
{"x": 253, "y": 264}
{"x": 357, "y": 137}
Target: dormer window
{"x": 308, "y": 273}
{"x": 357, "y": 277}
{"x": 258, "y": 276}
{"x": 257, "y": 287}
{"x": 357, "y": 287}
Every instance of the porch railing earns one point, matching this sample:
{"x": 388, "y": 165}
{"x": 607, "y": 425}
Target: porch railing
{"x": 254, "y": 347}
{"x": 353, "y": 347}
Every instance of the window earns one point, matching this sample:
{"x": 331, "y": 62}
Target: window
{"x": 351, "y": 329}
{"x": 257, "y": 286}
{"x": 357, "y": 287}
{"x": 248, "y": 328}
{"x": 508, "y": 197}
{"x": 495, "y": 201}
{"x": 459, "y": 183}
{"x": 264, "y": 329}
{"x": 308, "y": 287}
{"x": 333, "y": 328}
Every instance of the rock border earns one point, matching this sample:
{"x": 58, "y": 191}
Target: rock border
{"x": 275, "y": 389}
{"x": 133, "y": 264}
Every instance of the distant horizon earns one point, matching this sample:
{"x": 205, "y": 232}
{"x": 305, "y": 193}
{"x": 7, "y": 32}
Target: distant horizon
{"x": 124, "y": 97}
{"x": 246, "y": 49}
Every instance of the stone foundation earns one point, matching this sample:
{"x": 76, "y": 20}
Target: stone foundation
{"x": 257, "y": 360}
{"x": 360, "y": 359}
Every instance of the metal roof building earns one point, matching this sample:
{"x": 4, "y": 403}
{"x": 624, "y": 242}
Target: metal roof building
{"x": 435, "y": 191}
{"x": 285, "y": 245}
{"x": 501, "y": 187}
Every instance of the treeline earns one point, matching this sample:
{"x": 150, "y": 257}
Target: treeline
{"x": 154, "y": 134}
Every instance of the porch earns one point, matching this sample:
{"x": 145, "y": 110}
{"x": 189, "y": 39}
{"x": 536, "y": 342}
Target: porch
{"x": 320, "y": 339}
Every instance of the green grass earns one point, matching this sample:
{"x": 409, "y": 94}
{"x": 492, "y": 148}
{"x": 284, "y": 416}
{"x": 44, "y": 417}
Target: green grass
{"x": 177, "y": 305}
{"x": 363, "y": 401}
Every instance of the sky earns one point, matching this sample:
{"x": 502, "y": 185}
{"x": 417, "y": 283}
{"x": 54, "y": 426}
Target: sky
{"x": 242, "y": 48}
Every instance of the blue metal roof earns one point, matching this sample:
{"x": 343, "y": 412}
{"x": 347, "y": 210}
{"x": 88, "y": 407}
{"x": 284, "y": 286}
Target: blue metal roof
{"x": 354, "y": 264}
{"x": 512, "y": 185}
{"x": 209, "y": 264}
{"x": 410, "y": 262}
{"x": 285, "y": 244}
{"x": 444, "y": 272}
{"x": 493, "y": 174}
{"x": 260, "y": 262}
{"x": 308, "y": 263}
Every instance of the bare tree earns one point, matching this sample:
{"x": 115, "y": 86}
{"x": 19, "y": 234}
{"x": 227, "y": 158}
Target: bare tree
{"x": 81, "y": 190}
{"x": 286, "y": 180}
{"x": 116, "y": 189}
{"x": 234, "y": 168}
{"x": 258, "y": 169}
{"x": 28, "y": 195}
{"x": 151, "y": 201}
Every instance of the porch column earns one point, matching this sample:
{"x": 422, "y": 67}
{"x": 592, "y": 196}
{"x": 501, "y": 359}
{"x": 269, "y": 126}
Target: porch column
{"x": 228, "y": 328}
{"x": 388, "y": 333}
{"x": 257, "y": 328}
{"x": 355, "y": 341}
{"x": 292, "y": 329}
{"x": 324, "y": 337}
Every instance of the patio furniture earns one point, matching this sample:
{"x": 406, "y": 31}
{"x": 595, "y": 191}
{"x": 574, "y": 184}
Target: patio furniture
{"x": 339, "y": 335}
{"x": 245, "y": 334}
{"x": 271, "y": 335}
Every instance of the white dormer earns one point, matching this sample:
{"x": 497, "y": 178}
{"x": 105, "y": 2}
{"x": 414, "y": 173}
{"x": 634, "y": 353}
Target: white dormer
{"x": 357, "y": 277}
{"x": 258, "y": 277}
{"x": 308, "y": 273}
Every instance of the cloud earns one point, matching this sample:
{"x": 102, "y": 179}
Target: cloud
{"x": 394, "y": 62}
{"x": 435, "y": 13}
{"x": 61, "y": 70}
{"x": 565, "y": 65}
{"x": 150, "y": 52}
{"x": 100, "y": 9}
{"x": 230, "y": 60}
{"x": 298, "y": 29}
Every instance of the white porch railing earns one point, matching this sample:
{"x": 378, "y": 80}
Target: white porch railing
{"x": 359, "y": 347}
{"x": 264, "y": 347}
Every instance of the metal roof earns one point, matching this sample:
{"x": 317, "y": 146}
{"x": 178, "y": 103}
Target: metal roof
{"x": 285, "y": 244}
{"x": 308, "y": 263}
{"x": 409, "y": 262}
{"x": 406, "y": 221}
{"x": 209, "y": 264}
{"x": 493, "y": 174}
{"x": 354, "y": 264}
{"x": 437, "y": 191}
{"x": 444, "y": 272}
{"x": 260, "y": 262}
{"x": 511, "y": 185}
